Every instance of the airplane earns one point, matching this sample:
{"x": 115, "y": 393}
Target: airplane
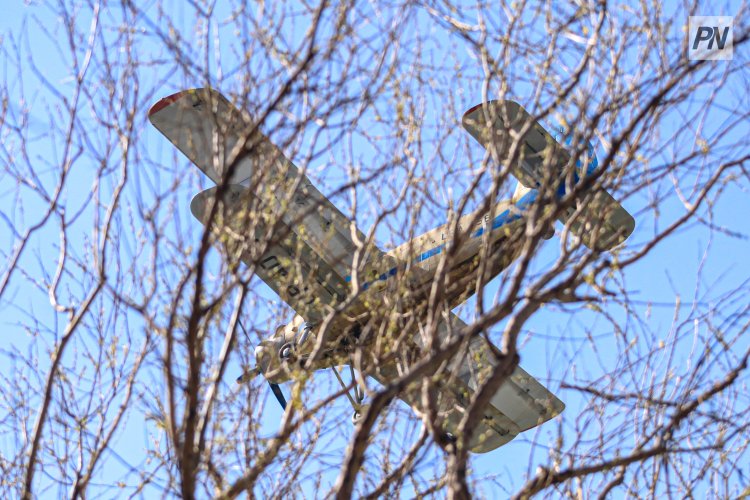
{"x": 266, "y": 210}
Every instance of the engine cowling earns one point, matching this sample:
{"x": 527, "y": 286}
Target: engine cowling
{"x": 286, "y": 343}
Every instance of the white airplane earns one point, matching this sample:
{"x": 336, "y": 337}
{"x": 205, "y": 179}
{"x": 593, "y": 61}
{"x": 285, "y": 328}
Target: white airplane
{"x": 311, "y": 258}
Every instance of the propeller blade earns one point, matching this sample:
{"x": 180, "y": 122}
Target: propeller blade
{"x": 248, "y": 375}
{"x": 279, "y": 395}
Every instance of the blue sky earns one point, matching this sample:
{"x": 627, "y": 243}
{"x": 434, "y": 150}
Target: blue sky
{"x": 699, "y": 264}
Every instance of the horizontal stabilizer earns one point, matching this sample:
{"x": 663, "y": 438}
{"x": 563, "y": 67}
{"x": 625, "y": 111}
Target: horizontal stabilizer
{"x": 602, "y": 223}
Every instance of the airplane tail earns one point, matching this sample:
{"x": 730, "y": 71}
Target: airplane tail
{"x": 602, "y": 223}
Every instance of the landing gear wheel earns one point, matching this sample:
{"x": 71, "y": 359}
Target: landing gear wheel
{"x": 286, "y": 351}
{"x": 358, "y": 413}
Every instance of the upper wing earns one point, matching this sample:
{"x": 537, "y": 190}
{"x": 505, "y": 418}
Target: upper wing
{"x": 283, "y": 261}
{"x": 602, "y": 224}
{"x": 214, "y": 134}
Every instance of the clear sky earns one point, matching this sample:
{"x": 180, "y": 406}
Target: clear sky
{"x": 697, "y": 266}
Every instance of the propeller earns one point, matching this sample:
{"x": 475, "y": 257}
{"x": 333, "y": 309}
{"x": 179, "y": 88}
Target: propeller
{"x": 275, "y": 388}
{"x": 279, "y": 395}
{"x": 303, "y": 331}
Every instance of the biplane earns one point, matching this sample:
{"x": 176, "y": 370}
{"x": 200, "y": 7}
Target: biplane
{"x": 266, "y": 211}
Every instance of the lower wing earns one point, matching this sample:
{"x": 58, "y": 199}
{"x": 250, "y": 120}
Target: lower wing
{"x": 520, "y": 404}
{"x": 282, "y": 260}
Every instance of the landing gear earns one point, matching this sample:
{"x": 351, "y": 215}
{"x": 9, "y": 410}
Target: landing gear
{"x": 359, "y": 395}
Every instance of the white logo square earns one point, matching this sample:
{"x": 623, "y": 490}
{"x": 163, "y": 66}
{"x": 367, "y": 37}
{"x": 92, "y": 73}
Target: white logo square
{"x": 710, "y": 38}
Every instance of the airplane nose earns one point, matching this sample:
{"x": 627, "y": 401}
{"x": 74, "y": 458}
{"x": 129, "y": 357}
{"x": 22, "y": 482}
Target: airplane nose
{"x": 264, "y": 357}
{"x": 268, "y": 362}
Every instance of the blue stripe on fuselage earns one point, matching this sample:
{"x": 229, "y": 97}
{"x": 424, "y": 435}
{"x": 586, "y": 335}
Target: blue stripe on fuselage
{"x": 508, "y": 216}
